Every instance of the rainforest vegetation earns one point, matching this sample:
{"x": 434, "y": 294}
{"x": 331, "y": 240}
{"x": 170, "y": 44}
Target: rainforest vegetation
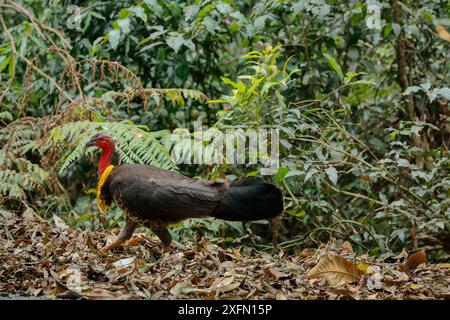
{"x": 359, "y": 91}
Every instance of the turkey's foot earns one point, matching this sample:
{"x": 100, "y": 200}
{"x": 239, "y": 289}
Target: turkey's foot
{"x": 164, "y": 235}
{"x": 124, "y": 235}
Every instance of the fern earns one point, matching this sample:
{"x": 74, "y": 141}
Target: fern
{"x": 21, "y": 176}
{"x": 134, "y": 143}
{"x": 11, "y": 190}
{"x": 176, "y": 95}
{"x": 5, "y": 115}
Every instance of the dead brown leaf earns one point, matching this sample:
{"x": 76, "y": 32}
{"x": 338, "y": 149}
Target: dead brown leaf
{"x": 136, "y": 240}
{"x": 104, "y": 294}
{"x": 269, "y": 273}
{"x": 414, "y": 261}
{"x": 443, "y": 33}
{"x": 336, "y": 270}
{"x": 30, "y": 215}
{"x": 47, "y": 258}
{"x": 195, "y": 279}
{"x": 347, "y": 247}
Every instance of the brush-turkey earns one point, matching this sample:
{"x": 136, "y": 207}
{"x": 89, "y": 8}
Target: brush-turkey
{"x": 157, "y": 198}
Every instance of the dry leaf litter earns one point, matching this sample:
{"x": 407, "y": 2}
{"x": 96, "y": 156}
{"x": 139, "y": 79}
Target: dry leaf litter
{"x": 47, "y": 259}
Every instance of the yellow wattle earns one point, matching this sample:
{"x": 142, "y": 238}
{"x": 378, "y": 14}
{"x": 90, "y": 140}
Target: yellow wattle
{"x": 101, "y": 204}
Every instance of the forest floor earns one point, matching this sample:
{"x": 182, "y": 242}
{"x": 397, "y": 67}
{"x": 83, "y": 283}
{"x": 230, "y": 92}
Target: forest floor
{"x": 48, "y": 259}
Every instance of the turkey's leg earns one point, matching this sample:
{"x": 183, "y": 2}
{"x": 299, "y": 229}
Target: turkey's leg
{"x": 124, "y": 235}
{"x": 165, "y": 237}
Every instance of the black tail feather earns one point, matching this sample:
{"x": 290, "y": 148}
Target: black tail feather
{"x": 249, "y": 199}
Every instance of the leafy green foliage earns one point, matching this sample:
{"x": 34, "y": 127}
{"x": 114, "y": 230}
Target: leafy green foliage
{"x": 133, "y": 143}
{"x": 363, "y": 113}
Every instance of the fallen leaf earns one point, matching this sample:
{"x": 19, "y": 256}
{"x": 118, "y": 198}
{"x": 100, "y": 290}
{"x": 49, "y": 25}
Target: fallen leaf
{"x": 292, "y": 266}
{"x": 69, "y": 294}
{"x": 354, "y": 289}
{"x": 266, "y": 287}
{"x": 347, "y": 247}
{"x": 250, "y": 293}
{"x": 443, "y": 33}
{"x": 73, "y": 281}
{"x": 280, "y": 296}
{"x": 122, "y": 270}
{"x": 229, "y": 287}
{"x": 104, "y": 294}
{"x": 399, "y": 276}
{"x": 307, "y": 252}
{"x": 336, "y": 270}
{"x": 96, "y": 273}
{"x": 269, "y": 273}
{"x": 136, "y": 240}
{"x": 30, "y": 215}
{"x": 364, "y": 268}
{"x": 60, "y": 224}
{"x": 415, "y": 286}
{"x": 36, "y": 252}
{"x": 228, "y": 265}
{"x": 122, "y": 263}
{"x": 209, "y": 296}
{"x": 414, "y": 261}
{"x": 183, "y": 287}
{"x": 372, "y": 296}
{"x": 223, "y": 256}
{"x": 402, "y": 255}
{"x": 220, "y": 282}
{"x": 195, "y": 279}
{"x": 60, "y": 287}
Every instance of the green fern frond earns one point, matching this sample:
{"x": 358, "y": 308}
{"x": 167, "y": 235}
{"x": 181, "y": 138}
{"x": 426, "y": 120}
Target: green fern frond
{"x": 15, "y": 184}
{"x": 178, "y": 92}
{"x": 134, "y": 143}
{"x": 5, "y": 115}
{"x": 18, "y": 175}
{"x": 176, "y": 95}
{"x": 12, "y": 191}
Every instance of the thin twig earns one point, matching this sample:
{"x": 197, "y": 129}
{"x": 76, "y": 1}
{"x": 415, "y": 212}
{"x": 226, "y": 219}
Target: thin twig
{"x": 38, "y": 24}
{"x": 361, "y": 196}
{"x": 52, "y": 81}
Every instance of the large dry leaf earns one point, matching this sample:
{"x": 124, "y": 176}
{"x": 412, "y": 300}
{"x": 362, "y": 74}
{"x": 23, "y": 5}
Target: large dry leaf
{"x": 123, "y": 263}
{"x": 347, "y": 247}
{"x": 184, "y": 287}
{"x": 42, "y": 260}
{"x": 443, "y": 33}
{"x": 225, "y": 284}
{"x": 136, "y": 240}
{"x": 30, "y": 215}
{"x": 336, "y": 270}
{"x": 414, "y": 261}
{"x": 60, "y": 224}
{"x": 104, "y": 294}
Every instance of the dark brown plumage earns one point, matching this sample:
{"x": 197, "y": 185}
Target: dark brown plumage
{"x": 156, "y": 197}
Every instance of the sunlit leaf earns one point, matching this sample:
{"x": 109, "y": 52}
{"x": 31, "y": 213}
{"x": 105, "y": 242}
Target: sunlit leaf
{"x": 336, "y": 67}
